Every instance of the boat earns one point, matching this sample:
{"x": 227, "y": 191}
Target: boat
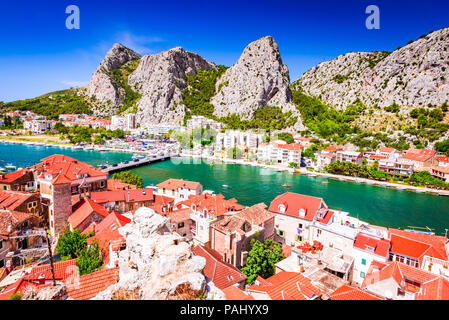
{"x": 225, "y": 186}
{"x": 138, "y": 156}
{"x": 10, "y": 166}
{"x": 325, "y": 182}
{"x": 286, "y": 186}
{"x": 2, "y": 169}
{"x": 211, "y": 164}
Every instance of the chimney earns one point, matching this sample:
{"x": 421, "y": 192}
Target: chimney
{"x": 41, "y": 279}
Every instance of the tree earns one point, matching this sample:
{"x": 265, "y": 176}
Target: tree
{"x": 129, "y": 177}
{"x": 262, "y": 259}
{"x": 234, "y": 153}
{"x": 287, "y": 137}
{"x": 293, "y": 165}
{"x": 72, "y": 243}
{"x": 89, "y": 259}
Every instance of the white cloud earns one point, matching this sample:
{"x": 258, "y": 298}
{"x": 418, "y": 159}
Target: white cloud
{"x": 138, "y": 43}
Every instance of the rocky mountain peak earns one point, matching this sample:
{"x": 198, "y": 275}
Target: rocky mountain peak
{"x": 415, "y": 75}
{"x": 160, "y": 79}
{"x": 259, "y": 78}
{"x": 117, "y": 56}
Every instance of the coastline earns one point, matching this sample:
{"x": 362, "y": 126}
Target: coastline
{"x": 304, "y": 171}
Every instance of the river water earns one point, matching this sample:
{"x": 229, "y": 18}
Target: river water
{"x": 251, "y": 185}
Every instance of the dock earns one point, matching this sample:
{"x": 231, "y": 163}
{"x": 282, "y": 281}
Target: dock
{"x": 131, "y": 164}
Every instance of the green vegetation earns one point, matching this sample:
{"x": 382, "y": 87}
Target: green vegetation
{"x": 52, "y": 104}
{"x": 423, "y": 178}
{"x": 89, "y": 259}
{"x": 129, "y": 177}
{"x": 326, "y": 121}
{"x": 374, "y": 58}
{"x": 443, "y": 146}
{"x": 293, "y": 165}
{"x": 339, "y": 78}
{"x": 262, "y": 259}
{"x": 287, "y": 137}
{"x": 200, "y": 89}
{"x": 234, "y": 153}
{"x": 268, "y": 118}
{"x": 83, "y": 134}
{"x": 121, "y": 76}
{"x": 12, "y": 123}
{"x": 394, "y": 108}
{"x": 73, "y": 245}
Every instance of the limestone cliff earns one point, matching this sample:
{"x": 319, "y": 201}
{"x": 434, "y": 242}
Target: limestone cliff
{"x": 259, "y": 78}
{"x": 412, "y": 76}
{"x": 102, "y": 85}
{"x": 158, "y": 264}
{"x": 160, "y": 79}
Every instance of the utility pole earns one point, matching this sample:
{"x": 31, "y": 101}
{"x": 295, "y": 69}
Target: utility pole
{"x": 445, "y": 235}
{"x": 51, "y": 259}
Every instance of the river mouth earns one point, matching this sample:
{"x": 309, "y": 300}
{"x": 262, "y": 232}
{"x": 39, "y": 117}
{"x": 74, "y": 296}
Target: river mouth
{"x": 388, "y": 207}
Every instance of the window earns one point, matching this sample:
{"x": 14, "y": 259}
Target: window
{"x": 364, "y": 262}
{"x": 362, "y": 275}
{"x": 300, "y": 225}
{"x": 181, "y": 225}
{"x": 281, "y": 233}
{"x": 102, "y": 184}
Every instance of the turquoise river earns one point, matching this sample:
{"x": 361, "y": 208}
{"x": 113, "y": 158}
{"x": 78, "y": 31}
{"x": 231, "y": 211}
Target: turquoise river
{"x": 251, "y": 185}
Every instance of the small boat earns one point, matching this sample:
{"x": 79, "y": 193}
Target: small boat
{"x": 286, "y": 186}
{"x": 225, "y": 186}
{"x": 2, "y": 169}
{"x": 211, "y": 164}
{"x": 325, "y": 182}
{"x": 10, "y": 166}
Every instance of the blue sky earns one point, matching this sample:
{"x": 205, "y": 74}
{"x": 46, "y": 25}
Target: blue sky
{"x": 38, "y": 54}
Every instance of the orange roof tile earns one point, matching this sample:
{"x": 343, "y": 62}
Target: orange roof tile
{"x": 294, "y": 202}
{"x": 221, "y": 273}
{"x": 215, "y": 205}
{"x": 93, "y": 283}
{"x": 84, "y": 210}
{"x": 347, "y": 292}
{"x": 287, "y": 286}
{"x": 174, "y": 184}
{"x": 235, "y": 293}
{"x": 373, "y": 245}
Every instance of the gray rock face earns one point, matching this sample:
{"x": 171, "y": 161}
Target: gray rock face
{"x": 157, "y": 264}
{"x": 101, "y": 85}
{"x": 412, "y": 76}
{"x": 259, "y": 78}
{"x": 160, "y": 78}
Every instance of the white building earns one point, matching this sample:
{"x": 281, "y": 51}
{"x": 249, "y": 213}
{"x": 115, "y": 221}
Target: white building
{"x": 126, "y": 123}
{"x": 280, "y": 152}
{"x": 366, "y": 249}
{"x": 38, "y": 126}
{"x": 203, "y": 122}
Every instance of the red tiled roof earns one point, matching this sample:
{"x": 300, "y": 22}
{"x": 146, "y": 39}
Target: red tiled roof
{"x": 442, "y": 159}
{"x": 255, "y": 215}
{"x": 106, "y": 233}
{"x": 294, "y": 202}
{"x": 347, "y": 292}
{"x": 287, "y": 286}
{"x": 375, "y": 156}
{"x": 60, "y": 179}
{"x": 62, "y": 269}
{"x": 386, "y": 150}
{"x": 221, "y": 273}
{"x": 174, "y": 184}
{"x": 180, "y": 215}
{"x": 119, "y": 185}
{"x": 291, "y": 146}
{"x": 235, "y": 293}
{"x": 131, "y": 195}
{"x": 71, "y": 168}
{"x": 93, "y": 283}
{"x": 10, "y": 200}
{"x": 380, "y": 246}
{"x": 420, "y": 155}
{"x": 13, "y": 176}
{"x": 84, "y": 210}
{"x": 215, "y": 205}
{"x": 426, "y": 285}
{"x": 9, "y": 219}
{"x": 416, "y": 245}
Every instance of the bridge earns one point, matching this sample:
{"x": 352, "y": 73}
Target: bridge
{"x": 126, "y": 165}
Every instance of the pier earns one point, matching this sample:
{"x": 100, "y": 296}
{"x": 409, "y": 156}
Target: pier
{"x": 135, "y": 163}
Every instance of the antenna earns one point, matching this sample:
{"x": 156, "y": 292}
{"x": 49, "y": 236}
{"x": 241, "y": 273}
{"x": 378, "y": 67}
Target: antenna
{"x": 51, "y": 260}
